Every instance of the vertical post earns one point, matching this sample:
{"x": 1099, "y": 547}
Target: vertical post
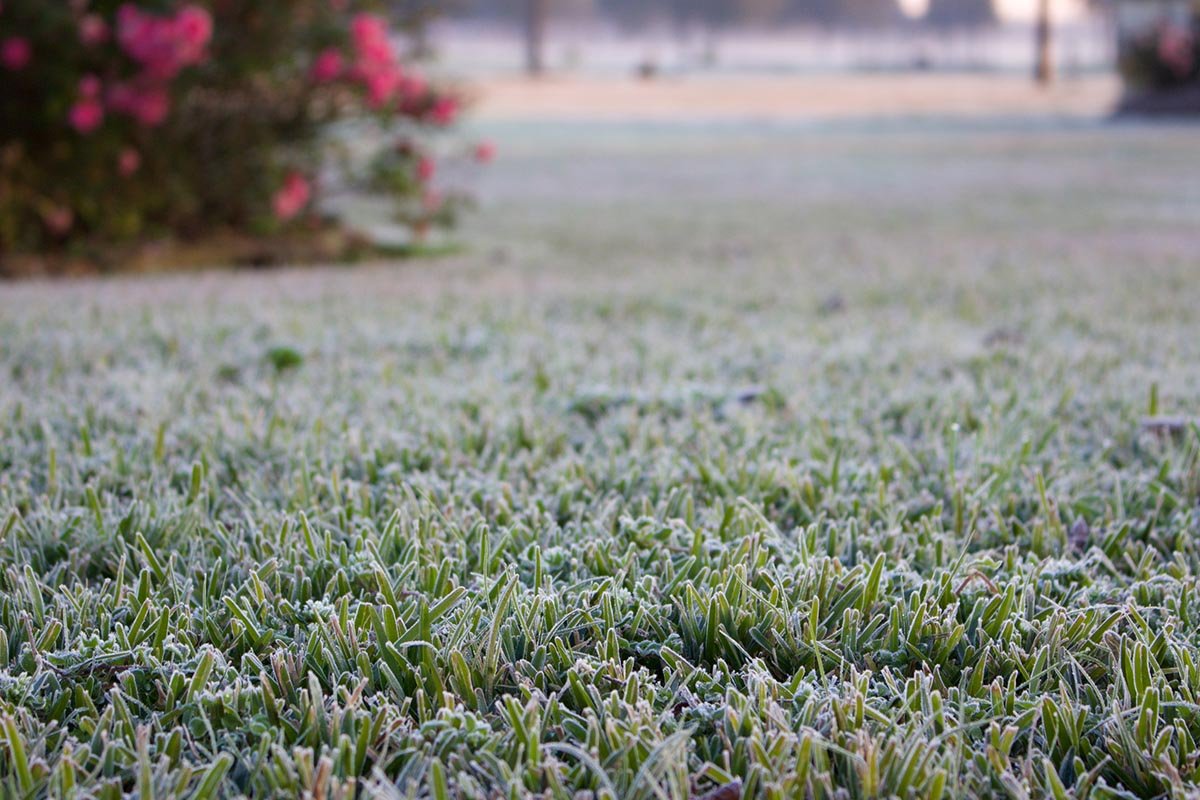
{"x": 422, "y": 48}
{"x": 535, "y": 36}
{"x": 1043, "y": 71}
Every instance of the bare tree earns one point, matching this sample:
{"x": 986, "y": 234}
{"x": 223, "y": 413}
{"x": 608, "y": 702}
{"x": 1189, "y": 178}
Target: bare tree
{"x": 1043, "y": 69}
{"x": 536, "y": 12}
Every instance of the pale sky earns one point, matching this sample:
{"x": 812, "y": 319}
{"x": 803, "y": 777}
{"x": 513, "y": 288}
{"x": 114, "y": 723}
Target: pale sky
{"x": 1012, "y": 9}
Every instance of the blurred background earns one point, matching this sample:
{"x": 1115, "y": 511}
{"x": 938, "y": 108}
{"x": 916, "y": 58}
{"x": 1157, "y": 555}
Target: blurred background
{"x": 136, "y": 135}
{"x": 619, "y": 37}
{"x": 1107, "y": 48}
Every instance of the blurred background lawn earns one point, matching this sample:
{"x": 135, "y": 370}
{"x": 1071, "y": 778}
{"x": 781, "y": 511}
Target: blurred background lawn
{"x": 544, "y": 78}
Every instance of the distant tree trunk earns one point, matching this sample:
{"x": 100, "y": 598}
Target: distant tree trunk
{"x": 710, "y": 54}
{"x": 422, "y": 48}
{"x": 536, "y": 12}
{"x": 1043, "y": 70}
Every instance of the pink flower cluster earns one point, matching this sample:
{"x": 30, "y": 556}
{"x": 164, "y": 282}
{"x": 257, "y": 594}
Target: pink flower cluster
{"x": 147, "y": 102}
{"x": 15, "y": 53}
{"x": 1177, "y": 49}
{"x": 161, "y": 45}
{"x": 138, "y": 55}
{"x": 164, "y": 45}
{"x": 88, "y": 112}
{"x": 375, "y": 66}
{"x": 292, "y": 197}
{"x": 329, "y": 66}
{"x": 444, "y": 111}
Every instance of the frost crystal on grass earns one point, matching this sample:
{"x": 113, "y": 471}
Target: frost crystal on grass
{"x": 376, "y": 533}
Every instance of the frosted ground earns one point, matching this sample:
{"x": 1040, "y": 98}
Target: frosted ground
{"x": 809, "y": 456}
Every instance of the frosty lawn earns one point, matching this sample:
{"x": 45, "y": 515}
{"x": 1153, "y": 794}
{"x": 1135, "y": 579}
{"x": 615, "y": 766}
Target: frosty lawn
{"x": 806, "y": 458}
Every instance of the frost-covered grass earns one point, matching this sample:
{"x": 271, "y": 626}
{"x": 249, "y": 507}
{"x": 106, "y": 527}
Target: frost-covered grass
{"x": 807, "y": 458}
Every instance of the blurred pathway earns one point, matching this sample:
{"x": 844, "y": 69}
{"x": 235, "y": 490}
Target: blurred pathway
{"x": 791, "y": 98}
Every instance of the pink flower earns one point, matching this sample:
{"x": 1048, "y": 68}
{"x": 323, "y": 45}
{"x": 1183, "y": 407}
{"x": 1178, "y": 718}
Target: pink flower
{"x": 413, "y": 87}
{"x": 86, "y": 115}
{"x": 370, "y": 35}
{"x": 144, "y": 38}
{"x": 58, "y": 220}
{"x": 149, "y": 104}
{"x": 328, "y": 66}
{"x": 444, "y": 111}
{"x": 426, "y": 169}
{"x": 381, "y": 88}
{"x": 485, "y": 152}
{"x": 292, "y": 197}
{"x": 1177, "y": 49}
{"x": 193, "y": 29}
{"x": 93, "y": 30}
{"x": 164, "y": 45}
{"x": 129, "y": 162}
{"x": 90, "y": 87}
{"x": 375, "y": 62}
{"x": 152, "y": 107}
{"x": 15, "y": 53}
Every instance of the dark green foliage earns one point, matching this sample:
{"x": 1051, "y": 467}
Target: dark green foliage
{"x": 284, "y": 358}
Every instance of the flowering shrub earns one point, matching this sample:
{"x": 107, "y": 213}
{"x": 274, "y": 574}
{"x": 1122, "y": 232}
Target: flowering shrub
{"x": 127, "y": 119}
{"x": 1165, "y": 57}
